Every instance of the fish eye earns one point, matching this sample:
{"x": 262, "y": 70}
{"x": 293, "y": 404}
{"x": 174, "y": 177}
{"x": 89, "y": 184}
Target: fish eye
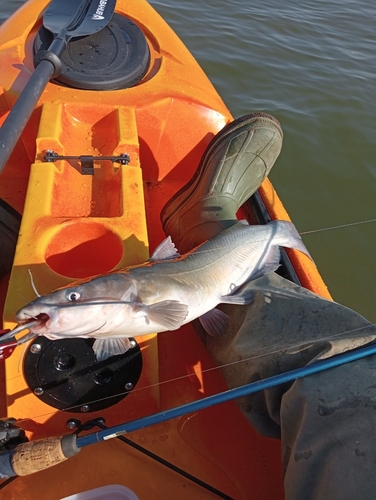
{"x": 72, "y": 296}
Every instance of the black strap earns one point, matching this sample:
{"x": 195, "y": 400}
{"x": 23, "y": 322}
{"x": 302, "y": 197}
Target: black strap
{"x": 100, "y": 423}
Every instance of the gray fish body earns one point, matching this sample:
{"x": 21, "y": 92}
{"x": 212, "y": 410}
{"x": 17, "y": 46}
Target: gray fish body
{"x": 217, "y": 268}
{"x": 167, "y": 291}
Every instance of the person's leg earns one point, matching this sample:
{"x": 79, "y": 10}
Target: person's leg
{"x": 329, "y": 434}
{"x": 326, "y": 422}
{"x": 285, "y": 327}
{"x": 232, "y": 168}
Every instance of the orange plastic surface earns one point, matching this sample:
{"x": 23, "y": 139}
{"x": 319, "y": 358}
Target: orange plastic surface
{"x": 76, "y": 225}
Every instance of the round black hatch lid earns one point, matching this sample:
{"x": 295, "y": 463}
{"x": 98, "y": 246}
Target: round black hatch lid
{"x": 66, "y": 375}
{"x": 115, "y": 57}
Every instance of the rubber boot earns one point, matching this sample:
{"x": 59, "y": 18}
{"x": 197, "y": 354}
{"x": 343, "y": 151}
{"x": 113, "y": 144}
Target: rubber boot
{"x": 232, "y": 168}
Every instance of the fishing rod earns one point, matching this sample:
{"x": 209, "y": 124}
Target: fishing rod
{"x": 35, "y": 456}
{"x": 64, "y": 19}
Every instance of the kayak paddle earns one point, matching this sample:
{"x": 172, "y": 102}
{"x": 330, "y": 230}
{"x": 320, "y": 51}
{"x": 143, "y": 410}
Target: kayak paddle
{"x": 64, "y": 19}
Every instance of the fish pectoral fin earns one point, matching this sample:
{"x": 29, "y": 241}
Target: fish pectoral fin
{"x": 169, "y": 314}
{"x": 215, "y": 322}
{"x": 105, "y": 348}
{"x": 242, "y": 296}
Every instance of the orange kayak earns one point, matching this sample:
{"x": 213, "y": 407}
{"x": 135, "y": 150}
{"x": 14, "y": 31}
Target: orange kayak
{"x": 135, "y": 140}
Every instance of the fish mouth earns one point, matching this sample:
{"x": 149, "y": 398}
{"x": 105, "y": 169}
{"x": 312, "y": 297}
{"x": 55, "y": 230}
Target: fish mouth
{"x": 41, "y": 318}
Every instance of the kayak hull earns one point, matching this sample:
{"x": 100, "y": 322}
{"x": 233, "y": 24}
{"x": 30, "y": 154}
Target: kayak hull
{"x": 77, "y": 224}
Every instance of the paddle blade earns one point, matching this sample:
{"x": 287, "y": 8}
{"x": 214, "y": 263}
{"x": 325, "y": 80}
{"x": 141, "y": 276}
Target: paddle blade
{"x": 78, "y": 18}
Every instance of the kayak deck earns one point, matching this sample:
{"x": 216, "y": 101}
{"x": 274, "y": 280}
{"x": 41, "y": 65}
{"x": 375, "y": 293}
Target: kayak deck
{"x": 77, "y": 224}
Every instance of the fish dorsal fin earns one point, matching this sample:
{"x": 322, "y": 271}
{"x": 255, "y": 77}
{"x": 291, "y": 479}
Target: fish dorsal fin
{"x": 165, "y": 250}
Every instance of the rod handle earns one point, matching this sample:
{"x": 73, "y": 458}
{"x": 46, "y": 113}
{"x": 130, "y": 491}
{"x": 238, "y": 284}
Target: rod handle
{"x": 35, "y": 456}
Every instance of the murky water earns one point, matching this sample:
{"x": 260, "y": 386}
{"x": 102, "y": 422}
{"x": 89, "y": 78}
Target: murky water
{"x": 312, "y": 64}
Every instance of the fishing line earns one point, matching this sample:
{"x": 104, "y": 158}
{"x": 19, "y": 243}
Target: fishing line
{"x": 338, "y": 227}
{"x": 211, "y": 369}
{"x": 256, "y": 356}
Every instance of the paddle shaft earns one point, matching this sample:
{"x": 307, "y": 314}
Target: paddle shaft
{"x": 65, "y": 19}
{"x": 24, "y": 106}
{"x": 20, "y": 113}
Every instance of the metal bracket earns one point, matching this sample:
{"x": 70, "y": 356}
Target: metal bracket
{"x": 87, "y": 161}
{"x": 74, "y": 423}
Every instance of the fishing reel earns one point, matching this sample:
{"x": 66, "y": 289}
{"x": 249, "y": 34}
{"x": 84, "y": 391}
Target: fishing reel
{"x": 10, "y": 434}
{"x": 66, "y": 375}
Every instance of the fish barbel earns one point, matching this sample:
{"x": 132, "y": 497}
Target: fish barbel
{"x": 165, "y": 292}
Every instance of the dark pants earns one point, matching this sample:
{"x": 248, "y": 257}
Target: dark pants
{"x": 327, "y": 421}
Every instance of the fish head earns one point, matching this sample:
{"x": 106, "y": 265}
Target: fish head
{"x": 81, "y": 309}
